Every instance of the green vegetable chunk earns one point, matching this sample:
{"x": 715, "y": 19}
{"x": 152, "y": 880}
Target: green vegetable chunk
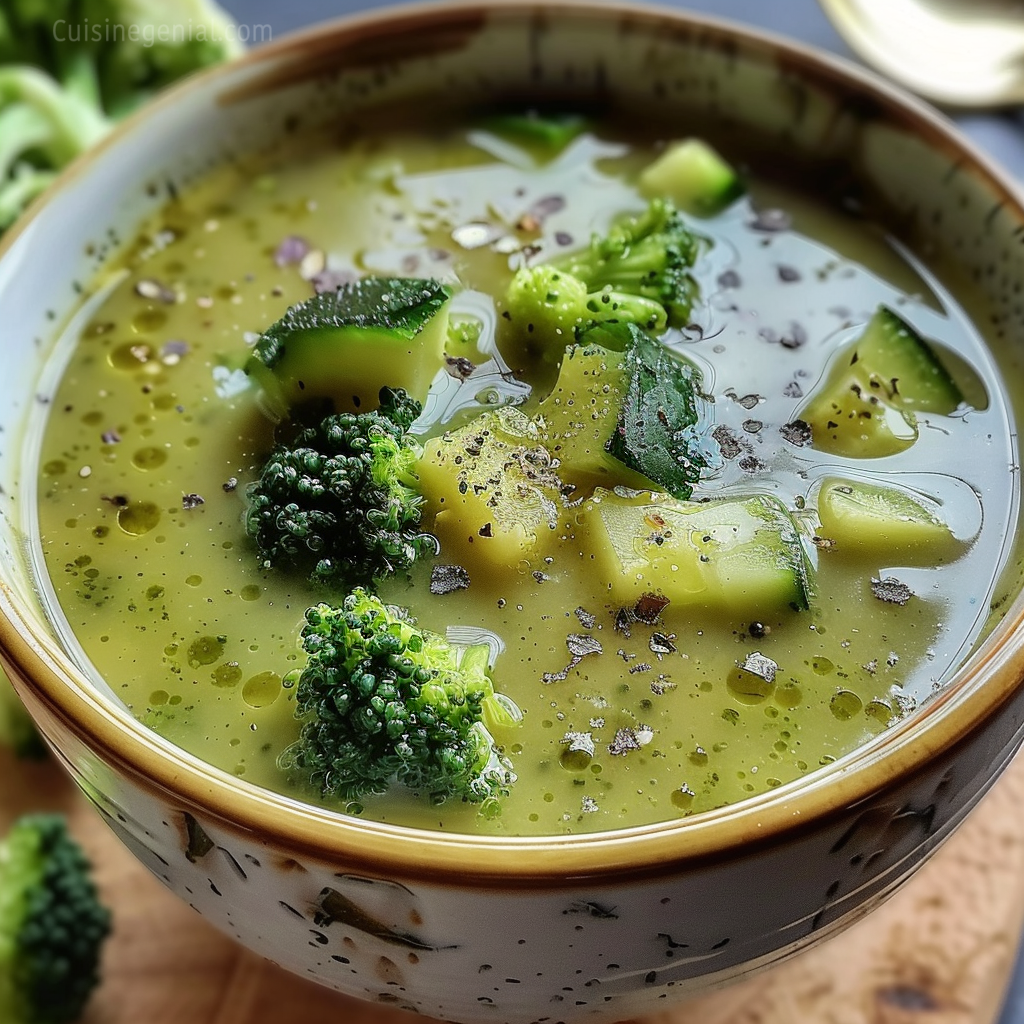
{"x": 492, "y": 489}
{"x": 694, "y": 177}
{"x": 69, "y": 71}
{"x": 348, "y": 344}
{"x": 739, "y": 556}
{"x": 661, "y": 432}
{"x": 871, "y": 520}
{"x": 638, "y": 273}
{"x": 52, "y": 924}
{"x": 544, "y": 134}
{"x": 340, "y": 501}
{"x": 581, "y": 415}
{"x": 866, "y": 407}
{"x": 383, "y": 702}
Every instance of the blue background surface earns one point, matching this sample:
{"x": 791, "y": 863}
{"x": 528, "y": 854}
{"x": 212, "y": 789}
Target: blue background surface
{"x": 1002, "y": 135}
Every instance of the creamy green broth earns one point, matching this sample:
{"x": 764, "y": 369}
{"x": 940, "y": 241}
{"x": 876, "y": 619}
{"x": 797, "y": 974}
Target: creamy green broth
{"x": 166, "y": 595}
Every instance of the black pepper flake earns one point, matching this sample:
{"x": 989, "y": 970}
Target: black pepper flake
{"x": 644, "y": 666}
{"x": 727, "y": 442}
{"x": 760, "y": 665}
{"x": 580, "y": 645}
{"x": 230, "y": 484}
{"x": 117, "y": 500}
{"x": 746, "y": 401}
{"x": 625, "y": 741}
{"x": 587, "y": 620}
{"x": 661, "y": 643}
{"x": 793, "y": 390}
{"x": 540, "y": 577}
{"x": 445, "y": 579}
{"x": 649, "y": 607}
{"x": 190, "y": 501}
{"x": 798, "y": 432}
{"x": 563, "y": 238}
{"x": 795, "y": 336}
{"x": 110, "y": 437}
{"x": 891, "y": 590}
{"x": 752, "y": 464}
{"x": 771, "y": 220}
{"x": 729, "y": 279}
{"x": 459, "y": 367}
{"x": 753, "y": 426}
{"x": 486, "y": 530}
{"x": 788, "y": 274}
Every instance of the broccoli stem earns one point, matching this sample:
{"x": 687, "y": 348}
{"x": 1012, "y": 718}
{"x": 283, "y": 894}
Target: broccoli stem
{"x": 75, "y": 124}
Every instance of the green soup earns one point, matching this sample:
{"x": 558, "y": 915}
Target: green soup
{"x": 632, "y": 712}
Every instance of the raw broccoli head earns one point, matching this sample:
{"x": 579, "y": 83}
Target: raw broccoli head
{"x": 339, "y": 502}
{"x": 384, "y": 702}
{"x": 52, "y": 925}
{"x": 638, "y": 273}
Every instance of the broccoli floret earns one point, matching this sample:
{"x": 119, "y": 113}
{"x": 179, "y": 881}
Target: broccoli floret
{"x": 638, "y": 273}
{"x": 52, "y": 924}
{"x": 69, "y": 70}
{"x": 17, "y": 730}
{"x": 385, "y": 702}
{"x": 339, "y": 502}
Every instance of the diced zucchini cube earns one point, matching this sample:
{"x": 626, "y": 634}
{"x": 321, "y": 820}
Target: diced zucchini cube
{"x": 694, "y": 177}
{"x": 867, "y": 405}
{"x": 348, "y": 344}
{"x": 739, "y": 556}
{"x": 491, "y": 492}
{"x": 578, "y": 418}
{"x": 876, "y": 521}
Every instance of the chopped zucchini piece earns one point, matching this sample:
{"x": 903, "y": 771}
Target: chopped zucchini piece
{"x": 876, "y": 521}
{"x": 742, "y": 556}
{"x": 577, "y": 420}
{"x": 348, "y": 344}
{"x": 694, "y": 177}
{"x": 867, "y": 406}
{"x": 662, "y": 429}
{"x": 491, "y": 490}
{"x": 546, "y": 135}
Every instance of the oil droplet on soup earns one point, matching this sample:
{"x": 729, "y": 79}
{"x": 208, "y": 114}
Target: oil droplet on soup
{"x": 153, "y": 571}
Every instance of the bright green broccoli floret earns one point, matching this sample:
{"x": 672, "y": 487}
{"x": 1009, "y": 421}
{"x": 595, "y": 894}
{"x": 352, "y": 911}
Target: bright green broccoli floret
{"x": 339, "y": 502}
{"x": 17, "y": 730}
{"x": 385, "y": 702}
{"x": 52, "y": 924}
{"x": 70, "y": 68}
{"x": 638, "y": 273}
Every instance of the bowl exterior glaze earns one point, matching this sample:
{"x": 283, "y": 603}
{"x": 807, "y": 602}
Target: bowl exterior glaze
{"x": 600, "y": 927}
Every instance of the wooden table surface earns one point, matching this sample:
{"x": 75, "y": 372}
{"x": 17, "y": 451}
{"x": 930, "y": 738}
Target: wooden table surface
{"x": 939, "y": 952}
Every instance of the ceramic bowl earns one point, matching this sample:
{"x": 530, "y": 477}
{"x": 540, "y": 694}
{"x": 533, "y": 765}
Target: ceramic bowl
{"x": 598, "y": 927}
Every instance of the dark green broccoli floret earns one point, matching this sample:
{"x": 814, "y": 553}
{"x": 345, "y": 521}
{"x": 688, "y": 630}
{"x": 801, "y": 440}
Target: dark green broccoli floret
{"x": 339, "y": 502}
{"x": 638, "y": 273}
{"x": 385, "y": 702}
{"x": 52, "y": 924}
{"x": 17, "y": 730}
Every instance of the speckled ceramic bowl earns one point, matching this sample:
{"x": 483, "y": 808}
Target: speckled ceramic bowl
{"x": 602, "y": 926}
